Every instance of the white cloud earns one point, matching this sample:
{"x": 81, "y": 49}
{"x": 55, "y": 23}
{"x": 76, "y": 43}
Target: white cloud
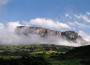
{"x": 49, "y": 23}
{"x": 88, "y": 13}
{"x": 79, "y": 21}
{"x": 85, "y": 18}
{"x": 85, "y": 35}
{"x": 8, "y": 36}
{"x": 67, "y": 15}
{"x": 81, "y": 25}
{"x": 1, "y": 26}
{"x": 3, "y": 2}
{"x": 12, "y": 25}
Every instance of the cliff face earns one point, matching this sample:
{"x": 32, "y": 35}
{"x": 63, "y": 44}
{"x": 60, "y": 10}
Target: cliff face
{"x": 24, "y": 30}
{"x": 43, "y": 32}
{"x": 71, "y": 35}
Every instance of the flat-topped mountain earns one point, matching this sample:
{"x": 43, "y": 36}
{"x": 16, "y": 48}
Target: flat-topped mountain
{"x": 44, "y": 32}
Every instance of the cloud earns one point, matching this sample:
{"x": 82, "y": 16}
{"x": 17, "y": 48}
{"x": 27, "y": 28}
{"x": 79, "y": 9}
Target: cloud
{"x": 84, "y": 35}
{"x": 3, "y": 2}
{"x": 12, "y": 25}
{"x": 80, "y": 23}
{"x": 49, "y": 23}
{"x": 9, "y": 36}
{"x": 1, "y": 26}
{"x": 84, "y": 18}
{"x": 76, "y": 22}
{"x": 88, "y": 13}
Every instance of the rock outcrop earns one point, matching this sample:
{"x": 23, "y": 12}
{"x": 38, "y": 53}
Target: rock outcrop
{"x": 44, "y": 32}
{"x": 25, "y": 30}
{"x": 70, "y": 35}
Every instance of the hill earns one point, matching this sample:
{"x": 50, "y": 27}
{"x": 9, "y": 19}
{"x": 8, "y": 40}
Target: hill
{"x": 81, "y": 53}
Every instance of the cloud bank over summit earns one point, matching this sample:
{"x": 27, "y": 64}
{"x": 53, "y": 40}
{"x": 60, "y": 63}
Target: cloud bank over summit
{"x": 76, "y": 22}
{"x": 49, "y": 23}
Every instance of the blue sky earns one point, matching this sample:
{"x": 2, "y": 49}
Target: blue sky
{"x": 29, "y": 9}
{"x": 56, "y": 14}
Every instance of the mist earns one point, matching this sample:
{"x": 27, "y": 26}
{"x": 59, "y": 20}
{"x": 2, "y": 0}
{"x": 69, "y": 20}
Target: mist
{"x": 9, "y": 36}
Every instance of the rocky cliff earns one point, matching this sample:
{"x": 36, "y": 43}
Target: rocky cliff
{"x": 44, "y": 32}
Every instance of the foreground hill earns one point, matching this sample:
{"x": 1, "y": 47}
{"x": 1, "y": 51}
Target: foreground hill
{"x": 44, "y": 54}
{"x": 81, "y": 53}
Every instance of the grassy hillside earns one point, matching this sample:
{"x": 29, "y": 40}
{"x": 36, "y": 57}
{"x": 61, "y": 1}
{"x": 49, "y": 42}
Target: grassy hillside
{"x": 81, "y": 53}
{"x": 42, "y": 54}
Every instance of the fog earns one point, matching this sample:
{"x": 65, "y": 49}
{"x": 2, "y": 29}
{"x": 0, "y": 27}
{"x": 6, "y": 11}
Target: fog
{"x": 9, "y": 36}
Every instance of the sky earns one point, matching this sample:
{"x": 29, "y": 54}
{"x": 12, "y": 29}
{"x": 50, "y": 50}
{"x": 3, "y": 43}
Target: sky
{"x": 14, "y": 10}
{"x": 73, "y": 14}
{"x": 54, "y": 14}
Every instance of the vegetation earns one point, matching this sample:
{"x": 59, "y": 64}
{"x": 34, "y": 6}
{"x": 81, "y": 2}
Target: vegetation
{"x": 37, "y": 55}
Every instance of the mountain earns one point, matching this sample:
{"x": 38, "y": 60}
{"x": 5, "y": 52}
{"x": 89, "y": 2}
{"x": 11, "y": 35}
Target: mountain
{"x": 26, "y": 30}
{"x": 44, "y": 32}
